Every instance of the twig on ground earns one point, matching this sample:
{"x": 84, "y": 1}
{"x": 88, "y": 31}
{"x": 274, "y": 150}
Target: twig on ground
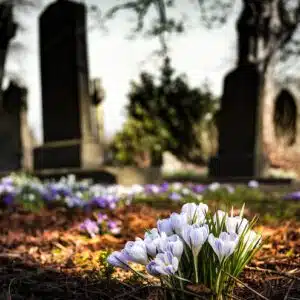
{"x": 288, "y": 291}
{"x": 9, "y": 287}
{"x": 181, "y": 291}
{"x": 10, "y": 255}
{"x": 246, "y": 286}
{"x": 284, "y": 274}
{"x": 133, "y": 291}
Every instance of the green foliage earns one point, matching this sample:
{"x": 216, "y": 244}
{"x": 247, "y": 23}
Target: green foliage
{"x": 106, "y": 270}
{"x": 139, "y": 135}
{"x": 168, "y": 115}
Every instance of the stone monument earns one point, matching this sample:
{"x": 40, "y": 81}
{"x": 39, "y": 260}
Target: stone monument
{"x": 70, "y": 138}
{"x": 15, "y": 137}
{"x": 239, "y": 120}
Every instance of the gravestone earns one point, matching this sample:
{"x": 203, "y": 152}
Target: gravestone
{"x": 16, "y": 144}
{"x": 70, "y": 140}
{"x": 239, "y": 120}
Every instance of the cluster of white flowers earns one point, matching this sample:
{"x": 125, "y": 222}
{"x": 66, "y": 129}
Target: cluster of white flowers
{"x": 163, "y": 248}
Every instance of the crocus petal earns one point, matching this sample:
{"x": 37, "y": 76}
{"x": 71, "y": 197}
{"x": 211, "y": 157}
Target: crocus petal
{"x": 117, "y": 259}
{"x": 137, "y": 252}
{"x": 178, "y": 221}
{"x": 224, "y": 245}
{"x": 165, "y": 225}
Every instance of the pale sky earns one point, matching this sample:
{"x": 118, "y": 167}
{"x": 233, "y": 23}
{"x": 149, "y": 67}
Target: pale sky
{"x": 200, "y": 53}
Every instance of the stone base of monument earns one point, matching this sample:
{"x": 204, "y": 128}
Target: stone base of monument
{"x": 134, "y": 175}
{"x": 68, "y": 154}
{"x": 236, "y": 166}
{"x": 107, "y": 175}
{"x": 269, "y": 181}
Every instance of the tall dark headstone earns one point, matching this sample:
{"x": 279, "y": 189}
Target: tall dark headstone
{"x": 239, "y": 120}
{"x": 16, "y": 146}
{"x": 69, "y": 141}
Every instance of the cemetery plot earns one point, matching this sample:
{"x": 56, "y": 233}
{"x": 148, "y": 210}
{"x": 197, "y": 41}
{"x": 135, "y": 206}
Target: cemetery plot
{"x": 56, "y": 237}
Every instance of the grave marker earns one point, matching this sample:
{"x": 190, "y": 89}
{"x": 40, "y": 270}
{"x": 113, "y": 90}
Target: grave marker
{"x": 69, "y": 138}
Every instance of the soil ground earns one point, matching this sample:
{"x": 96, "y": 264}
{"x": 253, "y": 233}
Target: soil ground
{"x": 44, "y": 256}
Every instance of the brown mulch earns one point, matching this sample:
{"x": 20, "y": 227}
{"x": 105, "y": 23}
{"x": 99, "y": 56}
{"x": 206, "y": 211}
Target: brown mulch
{"x": 44, "y": 256}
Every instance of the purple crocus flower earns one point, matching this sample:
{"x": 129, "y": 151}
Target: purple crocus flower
{"x": 51, "y": 193}
{"x": 8, "y": 199}
{"x": 73, "y": 201}
{"x": 175, "y": 197}
{"x": 112, "y": 201}
{"x": 292, "y": 196}
{"x": 99, "y": 201}
{"x": 164, "y": 187}
{"x": 152, "y": 189}
{"x": 113, "y": 227}
{"x": 7, "y": 180}
{"x": 91, "y": 227}
{"x": 198, "y": 188}
{"x": 101, "y": 218}
{"x": 230, "y": 189}
{"x": 118, "y": 259}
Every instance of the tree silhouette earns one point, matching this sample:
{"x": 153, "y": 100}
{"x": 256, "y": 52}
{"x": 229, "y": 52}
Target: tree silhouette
{"x": 9, "y": 27}
{"x": 170, "y": 112}
{"x": 275, "y": 23}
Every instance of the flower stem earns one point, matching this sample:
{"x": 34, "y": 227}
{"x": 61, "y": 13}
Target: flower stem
{"x": 196, "y": 268}
{"x": 181, "y": 284}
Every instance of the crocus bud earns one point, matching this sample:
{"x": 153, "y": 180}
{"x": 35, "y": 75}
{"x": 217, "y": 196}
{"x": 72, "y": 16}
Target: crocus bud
{"x": 224, "y": 245}
{"x": 195, "y": 237}
{"x": 137, "y": 252}
{"x": 163, "y": 264}
{"x": 118, "y": 259}
{"x": 236, "y": 224}
{"x": 175, "y": 245}
{"x": 178, "y": 221}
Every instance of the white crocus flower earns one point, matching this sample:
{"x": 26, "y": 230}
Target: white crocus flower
{"x": 171, "y": 243}
{"x": 224, "y": 245}
{"x": 190, "y": 210}
{"x": 214, "y": 186}
{"x": 195, "y": 236}
{"x": 175, "y": 245}
{"x": 165, "y": 225}
{"x": 185, "y": 191}
{"x": 178, "y": 221}
{"x": 202, "y": 210}
{"x": 163, "y": 264}
{"x": 253, "y": 184}
{"x": 251, "y": 239}
{"x": 137, "y": 252}
{"x": 137, "y": 188}
{"x": 152, "y": 234}
{"x": 31, "y": 197}
{"x": 219, "y": 216}
{"x": 177, "y": 186}
{"x": 236, "y": 224}
{"x": 118, "y": 259}
{"x": 152, "y": 241}
{"x": 195, "y": 213}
